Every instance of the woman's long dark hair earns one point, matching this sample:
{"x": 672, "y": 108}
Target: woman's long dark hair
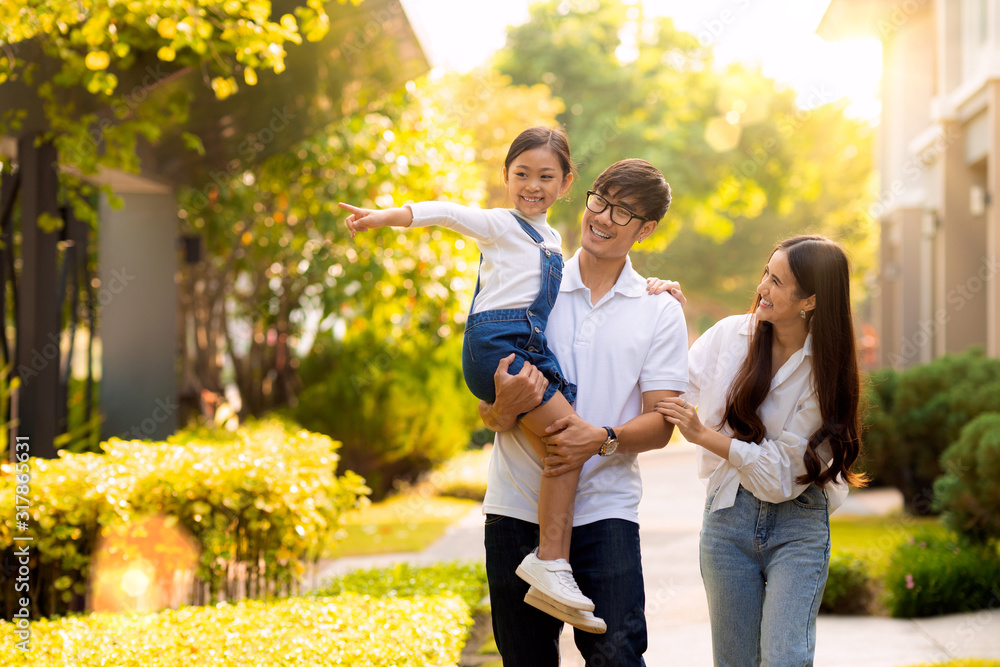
{"x": 820, "y": 267}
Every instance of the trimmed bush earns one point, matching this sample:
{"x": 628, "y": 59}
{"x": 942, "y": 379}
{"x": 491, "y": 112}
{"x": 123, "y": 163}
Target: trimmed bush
{"x": 398, "y": 406}
{"x": 933, "y": 403}
{"x": 263, "y": 504}
{"x": 849, "y": 588}
{"x": 915, "y": 415}
{"x": 931, "y": 575}
{"x": 348, "y": 629}
{"x": 968, "y": 494}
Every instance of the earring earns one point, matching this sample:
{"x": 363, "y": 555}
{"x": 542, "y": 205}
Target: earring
{"x": 802, "y": 314}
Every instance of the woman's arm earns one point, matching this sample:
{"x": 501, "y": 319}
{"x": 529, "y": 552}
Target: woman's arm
{"x": 768, "y": 469}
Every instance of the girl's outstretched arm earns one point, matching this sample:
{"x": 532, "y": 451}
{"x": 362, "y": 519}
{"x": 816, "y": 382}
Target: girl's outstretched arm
{"x": 361, "y": 219}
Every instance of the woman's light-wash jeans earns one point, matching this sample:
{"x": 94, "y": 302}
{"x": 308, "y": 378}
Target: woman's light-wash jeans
{"x": 765, "y": 566}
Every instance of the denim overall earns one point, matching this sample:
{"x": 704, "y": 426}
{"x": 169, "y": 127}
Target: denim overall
{"x": 493, "y": 334}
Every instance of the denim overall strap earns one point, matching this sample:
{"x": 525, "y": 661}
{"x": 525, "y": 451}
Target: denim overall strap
{"x": 539, "y": 310}
{"x": 549, "y": 260}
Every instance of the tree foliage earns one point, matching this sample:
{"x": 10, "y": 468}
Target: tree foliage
{"x": 79, "y": 57}
{"x": 747, "y": 164}
{"x": 280, "y": 260}
{"x": 378, "y": 318}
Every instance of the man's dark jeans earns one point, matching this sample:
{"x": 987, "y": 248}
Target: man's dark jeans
{"x": 607, "y": 566}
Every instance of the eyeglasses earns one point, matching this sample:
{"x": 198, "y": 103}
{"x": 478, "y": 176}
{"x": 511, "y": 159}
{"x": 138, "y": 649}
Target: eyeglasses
{"x": 620, "y": 215}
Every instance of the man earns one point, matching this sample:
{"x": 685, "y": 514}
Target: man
{"x": 625, "y": 350}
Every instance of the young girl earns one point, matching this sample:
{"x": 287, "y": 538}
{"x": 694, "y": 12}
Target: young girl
{"x": 519, "y": 276}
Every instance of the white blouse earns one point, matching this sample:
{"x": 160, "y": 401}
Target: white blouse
{"x": 790, "y": 413}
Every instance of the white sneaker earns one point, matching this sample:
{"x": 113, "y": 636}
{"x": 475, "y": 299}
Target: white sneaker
{"x": 554, "y": 579}
{"x": 584, "y": 620}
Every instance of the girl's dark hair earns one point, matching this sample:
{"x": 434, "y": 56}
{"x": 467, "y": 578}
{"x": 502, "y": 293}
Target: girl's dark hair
{"x": 535, "y": 137}
{"x": 638, "y": 181}
{"x": 820, "y": 267}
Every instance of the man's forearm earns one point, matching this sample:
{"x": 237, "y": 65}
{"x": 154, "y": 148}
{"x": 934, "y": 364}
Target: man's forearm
{"x": 646, "y": 432}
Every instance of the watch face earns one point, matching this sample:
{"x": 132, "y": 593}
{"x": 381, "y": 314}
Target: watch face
{"x": 610, "y": 449}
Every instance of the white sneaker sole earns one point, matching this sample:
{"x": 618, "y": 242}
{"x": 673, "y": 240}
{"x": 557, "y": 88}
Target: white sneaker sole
{"x": 583, "y": 620}
{"x": 552, "y": 595}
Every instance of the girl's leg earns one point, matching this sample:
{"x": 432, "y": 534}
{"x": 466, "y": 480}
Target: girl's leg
{"x": 557, "y": 494}
{"x": 548, "y": 570}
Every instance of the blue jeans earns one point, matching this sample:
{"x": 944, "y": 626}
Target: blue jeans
{"x": 765, "y": 566}
{"x": 607, "y": 566}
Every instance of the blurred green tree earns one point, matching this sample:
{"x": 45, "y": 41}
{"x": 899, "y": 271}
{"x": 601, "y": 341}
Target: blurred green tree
{"x": 748, "y": 165}
{"x": 376, "y": 321}
{"x": 282, "y": 271}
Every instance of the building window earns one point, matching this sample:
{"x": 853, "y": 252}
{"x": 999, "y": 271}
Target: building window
{"x": 975, "y": 37}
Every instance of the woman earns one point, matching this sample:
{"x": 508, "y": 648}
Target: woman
{"x": 777, "y": 429}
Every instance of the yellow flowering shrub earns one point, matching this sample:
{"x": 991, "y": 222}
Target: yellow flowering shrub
{"x": 266, "y": 501}
{"x": 349, "y": 629}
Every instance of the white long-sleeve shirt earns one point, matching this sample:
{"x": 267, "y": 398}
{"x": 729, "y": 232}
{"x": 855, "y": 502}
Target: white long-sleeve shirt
{"x": 511, "y": 273}
{"x": 790, "y": 412}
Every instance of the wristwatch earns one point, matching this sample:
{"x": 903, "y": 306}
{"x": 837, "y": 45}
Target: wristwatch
{"x": 609, "y": 446}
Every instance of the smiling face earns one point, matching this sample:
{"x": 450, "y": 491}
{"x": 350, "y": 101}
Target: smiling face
{"x": 535, "y": 180}
{"x": 604, "y": 239}
{"x": 780, "y": 295}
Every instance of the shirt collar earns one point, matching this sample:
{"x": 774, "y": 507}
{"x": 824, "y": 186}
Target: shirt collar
{"x": 538, "y": 219}
{"x": 629, "y": 282}
{"x": 793, "y": 362}
{"x": 750, "y": 323}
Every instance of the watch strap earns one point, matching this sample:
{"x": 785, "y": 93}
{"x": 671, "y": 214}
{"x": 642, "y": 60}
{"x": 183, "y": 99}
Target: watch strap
{"x": 603, "y": 451}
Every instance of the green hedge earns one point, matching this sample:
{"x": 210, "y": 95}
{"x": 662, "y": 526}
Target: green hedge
{"x": 348, "y": 629}
{"x": 269, "y": 495}
{"x": 968, "y": 494}
{"x": 932, "y": 575}
{"x": 402, "y": 615}
{"x": 916, "y": 415}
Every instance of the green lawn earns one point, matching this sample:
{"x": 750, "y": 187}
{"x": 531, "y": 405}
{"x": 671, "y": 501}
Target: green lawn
{"x": 401, "y": 523}
{"x": 873, "y": 539}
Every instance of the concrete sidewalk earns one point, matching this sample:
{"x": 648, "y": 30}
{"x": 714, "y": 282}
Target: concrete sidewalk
{"x": 679, "y": 634}
{"x": 676, "y": 609}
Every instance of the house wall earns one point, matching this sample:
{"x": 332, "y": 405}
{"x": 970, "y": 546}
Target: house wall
{"x": 137, "y": 298}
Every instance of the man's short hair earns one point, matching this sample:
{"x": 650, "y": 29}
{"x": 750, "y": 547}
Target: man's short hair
{"x": 638, "y": 181}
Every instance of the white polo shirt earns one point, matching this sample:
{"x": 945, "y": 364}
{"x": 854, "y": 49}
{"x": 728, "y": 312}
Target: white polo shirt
{"x": 630, "y": 342}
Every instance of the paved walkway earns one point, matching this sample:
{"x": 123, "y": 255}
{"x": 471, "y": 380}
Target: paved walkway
{"x": 677, "y": 613}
